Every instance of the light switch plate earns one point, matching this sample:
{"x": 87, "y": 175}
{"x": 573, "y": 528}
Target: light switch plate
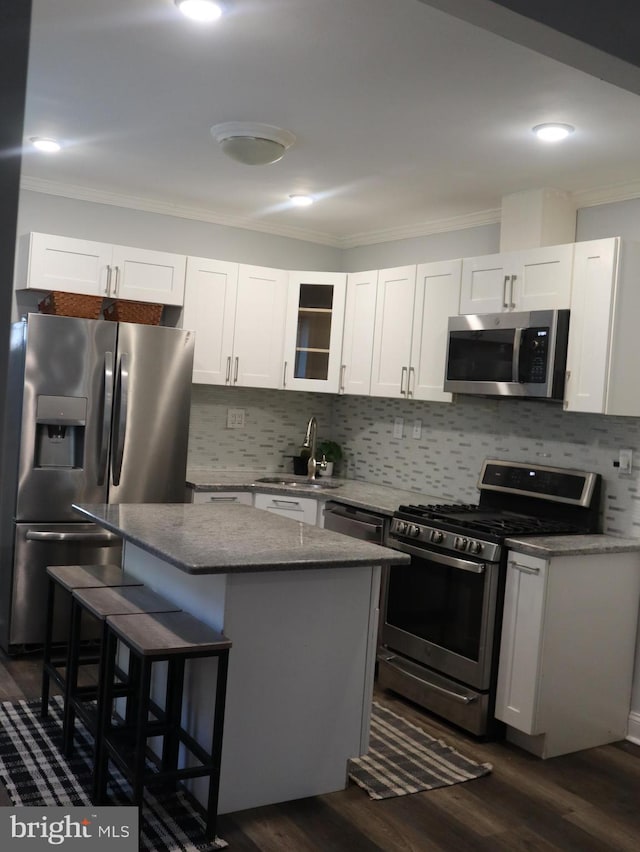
{"x": 235, "y": 418}
{"x": 417, "y": 428}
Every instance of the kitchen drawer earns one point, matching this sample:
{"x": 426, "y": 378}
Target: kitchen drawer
{"x": 303, "y": 509}
{"x": 245, "y": 497}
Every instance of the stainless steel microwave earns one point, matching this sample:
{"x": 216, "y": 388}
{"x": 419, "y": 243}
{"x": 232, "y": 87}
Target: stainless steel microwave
{"x": 520, "y": 354}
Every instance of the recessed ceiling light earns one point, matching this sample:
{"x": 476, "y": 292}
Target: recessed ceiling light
{"x": 301, "y": 200}
{"x": 50, "y": 146}
{"x": 552, "y": 132}
{"x": 204, "y": 11}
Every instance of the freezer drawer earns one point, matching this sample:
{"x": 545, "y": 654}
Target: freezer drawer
{"x": 36, "y": 547}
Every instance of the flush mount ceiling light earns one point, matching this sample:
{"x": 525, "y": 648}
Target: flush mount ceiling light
{"x": 49, "y": 146}
{"x": 252, "y": 143}
{"x": 204, "y": 11}
{"x": 553, "y": 132}
{"x": 301, "y": 200}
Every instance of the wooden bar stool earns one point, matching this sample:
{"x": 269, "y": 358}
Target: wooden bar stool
{"x": 172, "y": 638}
{"x": 66, "y": 578}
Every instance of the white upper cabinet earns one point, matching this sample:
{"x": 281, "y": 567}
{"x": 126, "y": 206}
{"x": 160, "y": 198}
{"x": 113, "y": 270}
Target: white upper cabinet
{"x": 102, "y": 269}
{"x": 604, "y": 344}
{"x": 393, "y": 326}
{"x": 413, "y": 305}
{"x": 359, "y": 327}
{"x": 313, "y": 333}
{"x": 238, "y": 314}
{"x": 529, "y": 280}
{"x": 437, "y": 298}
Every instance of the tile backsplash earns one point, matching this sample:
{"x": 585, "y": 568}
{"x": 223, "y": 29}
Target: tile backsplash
{"x": 443, "y": 462}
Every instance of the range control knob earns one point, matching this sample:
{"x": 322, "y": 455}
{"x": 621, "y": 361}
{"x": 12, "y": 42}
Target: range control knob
{"x": 401, "y": 527}
{"x": 413, "y": 531}
{"x": 460, "y": 543}
{"x": 436, "y": 536}
{"x": 475, "y": 546}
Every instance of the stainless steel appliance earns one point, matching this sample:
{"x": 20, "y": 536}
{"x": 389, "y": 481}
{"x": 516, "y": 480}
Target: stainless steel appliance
{"x": 442, "y": 614}
{"x": 98, "y": 412}
{"x": 357, "y": 523}
{"x": 520, "y": 354}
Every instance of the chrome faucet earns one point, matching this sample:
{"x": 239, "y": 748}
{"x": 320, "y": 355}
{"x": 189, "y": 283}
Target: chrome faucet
{"x": 310, "y": 442}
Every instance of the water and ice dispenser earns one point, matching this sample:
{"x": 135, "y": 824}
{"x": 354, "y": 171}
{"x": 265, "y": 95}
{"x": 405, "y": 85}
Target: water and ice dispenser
{"x": 60, "y": 428}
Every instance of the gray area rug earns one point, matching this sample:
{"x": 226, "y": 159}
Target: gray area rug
{"x": 35, "y": 772}
{"x": 404, "y": 759}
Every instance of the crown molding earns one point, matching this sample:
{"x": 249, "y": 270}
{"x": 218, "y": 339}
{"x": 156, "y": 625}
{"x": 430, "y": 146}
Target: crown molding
{"x": 150, "y": 205}
{"x": 584, "y": 198}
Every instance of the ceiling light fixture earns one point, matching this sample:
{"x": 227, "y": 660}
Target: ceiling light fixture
{"x": 50, "y": 146}
{"x": 204, "y": 11}
{"x": 252, "y": 143}
{"x": 553, "y": 132}
{"x": 301, "y": 200}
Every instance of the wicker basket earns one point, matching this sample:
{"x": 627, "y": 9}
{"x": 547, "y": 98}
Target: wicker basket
{"x": 122, "y": 310}
{"x": 71, "y": 305}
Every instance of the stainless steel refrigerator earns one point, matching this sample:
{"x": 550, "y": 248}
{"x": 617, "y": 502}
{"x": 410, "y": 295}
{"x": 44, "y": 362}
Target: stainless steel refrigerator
{"x": 97, "y": 412}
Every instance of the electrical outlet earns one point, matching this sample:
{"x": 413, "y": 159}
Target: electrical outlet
{"x": 625, "y": 461}
{"x": 398, "y": 427}
{"x": 235, "y": 418}
{"x": 417, "y": 428}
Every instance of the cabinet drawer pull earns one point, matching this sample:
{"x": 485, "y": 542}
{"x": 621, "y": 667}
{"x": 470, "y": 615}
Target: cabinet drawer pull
{"x": 525, "y": 569}
{"x": 285, "y": 502}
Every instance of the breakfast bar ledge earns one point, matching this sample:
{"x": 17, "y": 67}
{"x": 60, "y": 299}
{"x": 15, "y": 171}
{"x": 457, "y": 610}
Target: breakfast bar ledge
{"x": 300, "y": 605}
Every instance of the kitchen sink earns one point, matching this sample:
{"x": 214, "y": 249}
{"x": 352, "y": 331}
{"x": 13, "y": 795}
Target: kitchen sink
{"x": 303, "y": 482}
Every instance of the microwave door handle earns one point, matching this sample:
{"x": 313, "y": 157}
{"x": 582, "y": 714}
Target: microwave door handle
{"x": 121, "y": 414}
{"x": 107, "y": 406}
{"x": 517, "y": 345}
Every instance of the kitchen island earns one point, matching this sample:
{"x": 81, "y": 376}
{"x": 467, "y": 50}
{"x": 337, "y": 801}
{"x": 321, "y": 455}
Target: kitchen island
{"x": 300, "y": 605}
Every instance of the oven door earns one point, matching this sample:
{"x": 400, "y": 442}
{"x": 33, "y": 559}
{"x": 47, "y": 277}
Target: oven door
{"x": 440, "y": 611}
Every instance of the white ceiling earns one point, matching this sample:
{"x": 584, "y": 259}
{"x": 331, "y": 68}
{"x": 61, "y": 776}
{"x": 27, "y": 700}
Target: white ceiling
{"x": 407, "y": 120}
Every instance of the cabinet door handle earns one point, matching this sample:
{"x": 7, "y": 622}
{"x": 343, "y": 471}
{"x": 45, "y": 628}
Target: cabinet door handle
{"x": 285, "y": 502}
{"x": 512, "y": 303}
{"x": 235, "y": 372}
{"x": 115, "y": 289}
{"x": 284, "y": 375}
{"x": 505, "y": 304}
{"x": 108, "y": 281}
{"x": 525, "y": 569}
{"x": 228, "y": 376}
{"x": 403, "y": 376}
{"x": 411, "y": 389}
{"x": 343, "y": 368}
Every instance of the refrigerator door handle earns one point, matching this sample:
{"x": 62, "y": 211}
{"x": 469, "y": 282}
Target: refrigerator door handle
{"x": 105, "y": 538}
{"x": 120, "y": 424}
{"x": 107, "y": 406}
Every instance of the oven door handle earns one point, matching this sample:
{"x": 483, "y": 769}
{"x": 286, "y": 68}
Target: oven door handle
{"x": 441, "y": 558}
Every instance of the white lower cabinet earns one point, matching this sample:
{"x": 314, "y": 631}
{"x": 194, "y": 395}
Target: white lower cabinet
{"x": 303, "y": 509}
{"x": 244, "y": 497}
{"x": 567, "y": 650}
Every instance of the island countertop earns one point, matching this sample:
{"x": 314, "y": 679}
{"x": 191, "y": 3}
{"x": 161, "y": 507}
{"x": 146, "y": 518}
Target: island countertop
{"x": 230, "y": 538}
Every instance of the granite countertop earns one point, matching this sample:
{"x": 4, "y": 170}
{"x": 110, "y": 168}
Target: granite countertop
{"x": 361, "y": 495}
{"x": 572, "y": 545}
{"x": 231, "y": 538}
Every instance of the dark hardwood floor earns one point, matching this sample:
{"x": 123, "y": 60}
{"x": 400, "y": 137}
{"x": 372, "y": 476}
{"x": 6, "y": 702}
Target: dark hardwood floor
{"x": 585, "y": 802}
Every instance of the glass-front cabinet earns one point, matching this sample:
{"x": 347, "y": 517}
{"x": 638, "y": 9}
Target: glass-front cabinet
{"x": 313, "y": 335}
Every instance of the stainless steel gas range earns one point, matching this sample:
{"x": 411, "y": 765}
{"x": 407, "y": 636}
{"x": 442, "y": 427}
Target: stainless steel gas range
{"x": 442, "y": 615}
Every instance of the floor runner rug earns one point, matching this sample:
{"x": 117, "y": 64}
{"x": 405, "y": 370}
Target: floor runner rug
{"x": 404, "y": 759}
{"x": 35, "y": 773}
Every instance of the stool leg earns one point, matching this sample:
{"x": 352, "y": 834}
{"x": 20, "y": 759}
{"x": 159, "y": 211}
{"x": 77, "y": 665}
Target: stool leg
{"x": 101, "y": 703}
{"x": 216, "y": 745}
{"x": 140, "y": 753}
{"x": 71, "y": 681}
{"x": 173, "y": 712}
{"x": 46, "y": 657}
{"x": 101, "y": 765}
